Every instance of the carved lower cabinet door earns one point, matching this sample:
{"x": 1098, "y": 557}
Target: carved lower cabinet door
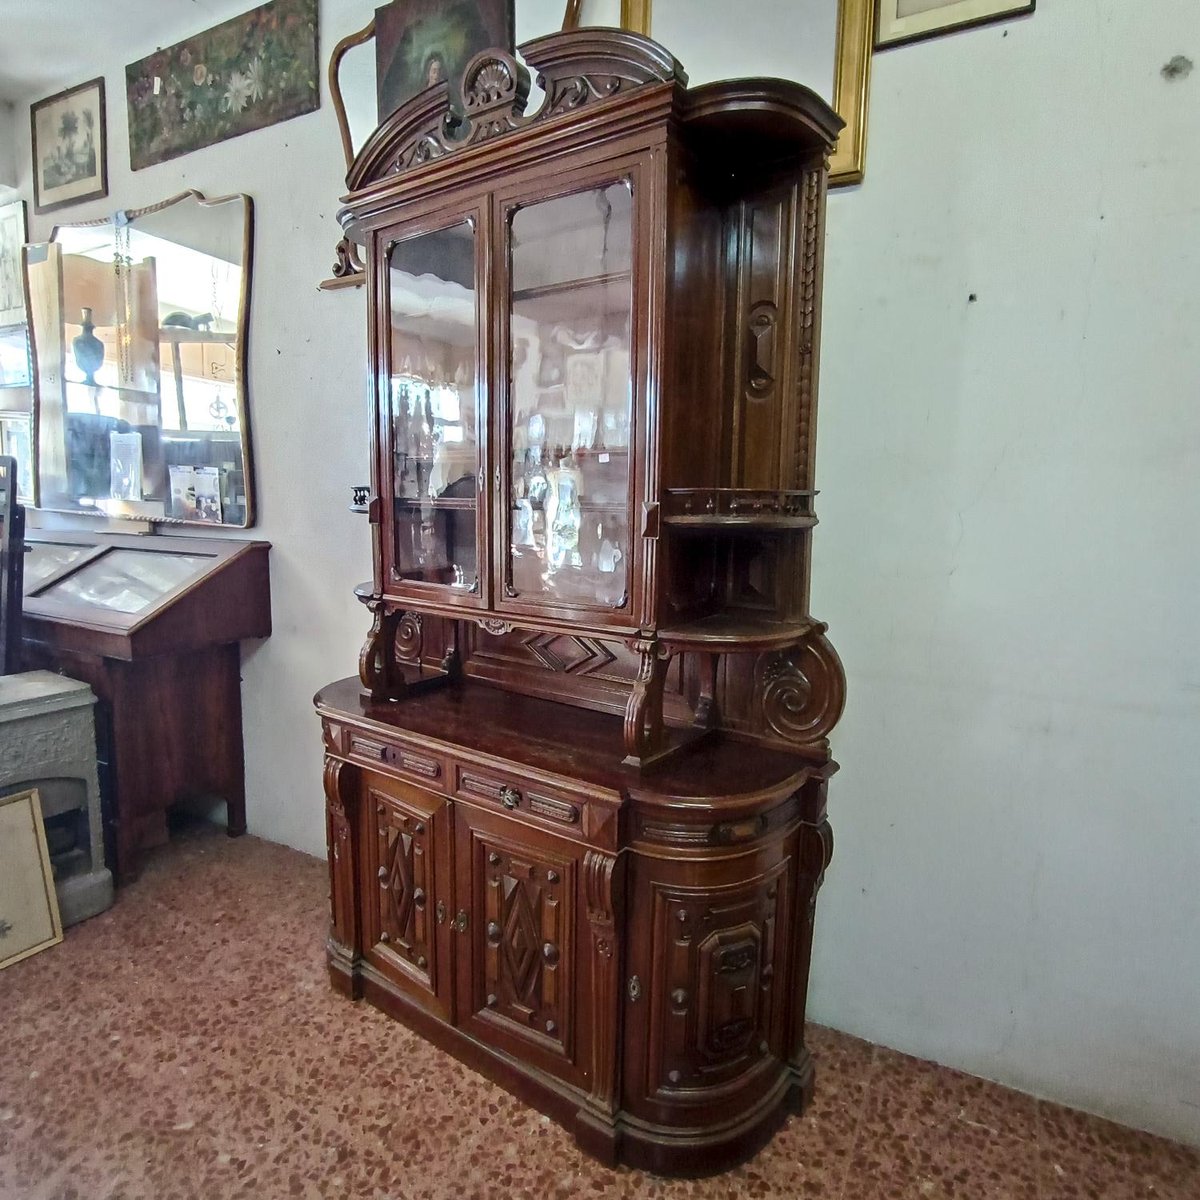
{"x": 516, "y": 982}
{"x": 406, "y": 889}
{"x": 707, "y": 1015}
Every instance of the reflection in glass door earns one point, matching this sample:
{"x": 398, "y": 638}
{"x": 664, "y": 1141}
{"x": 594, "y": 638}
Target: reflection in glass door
{"x": 433, "y": 408}
{"x": 571, "y": 398}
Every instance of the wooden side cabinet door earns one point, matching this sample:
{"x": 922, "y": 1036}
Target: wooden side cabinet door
{"x": 516, "y": 940}
{"x": 406, "y": 890}
{"x": 707, "y": 1015}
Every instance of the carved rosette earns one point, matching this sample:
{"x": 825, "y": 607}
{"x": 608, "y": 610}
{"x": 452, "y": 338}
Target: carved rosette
{"x": 409, "y": 638}
{"x": 801, "y": 691}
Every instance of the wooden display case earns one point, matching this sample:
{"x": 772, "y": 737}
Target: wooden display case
{"x": 576, "y": 798}
{"x": 153, "y": 625}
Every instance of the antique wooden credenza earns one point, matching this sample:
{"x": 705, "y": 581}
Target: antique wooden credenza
{"x": 576, "y": 795}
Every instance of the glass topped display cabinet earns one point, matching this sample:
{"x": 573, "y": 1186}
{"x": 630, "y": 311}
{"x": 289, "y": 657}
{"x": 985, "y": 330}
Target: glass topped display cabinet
{"x": 153, "y": 625}
{"x": 575, "y": 798}
{"x": 139, "y": 336}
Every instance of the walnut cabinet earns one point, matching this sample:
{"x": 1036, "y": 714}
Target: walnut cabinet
{"x": 576, "y": 793}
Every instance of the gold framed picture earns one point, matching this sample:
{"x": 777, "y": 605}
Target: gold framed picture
{"x": 910, "y": 20}
{"x": 29, "y": 920}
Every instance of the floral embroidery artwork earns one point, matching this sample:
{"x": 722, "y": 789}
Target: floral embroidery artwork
{"x": 244, "y": 74}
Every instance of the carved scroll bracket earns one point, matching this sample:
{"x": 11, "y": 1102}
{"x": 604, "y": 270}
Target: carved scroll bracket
{"x": 397, "y": 637}
{"x": 802, "y": 691}
{"x": 645, "y": 732}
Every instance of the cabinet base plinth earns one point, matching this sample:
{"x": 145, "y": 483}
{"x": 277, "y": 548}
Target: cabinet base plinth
{"x": 617, "y": 1140}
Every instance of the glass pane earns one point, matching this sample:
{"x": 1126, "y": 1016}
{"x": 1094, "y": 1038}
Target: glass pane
{"x": 129, "y": 581}
{"x": 48, "y": 558}
{"x": 433, "y": 408}
{"x": 571, "y": 299}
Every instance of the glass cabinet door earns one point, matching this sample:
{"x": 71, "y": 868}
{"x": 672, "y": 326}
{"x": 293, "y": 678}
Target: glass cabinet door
{"x": 570, "y": 400}
{"x": 432, "y": 473}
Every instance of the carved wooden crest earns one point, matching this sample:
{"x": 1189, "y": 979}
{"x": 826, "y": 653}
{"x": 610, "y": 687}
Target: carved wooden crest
{"x": 574, "y": 69}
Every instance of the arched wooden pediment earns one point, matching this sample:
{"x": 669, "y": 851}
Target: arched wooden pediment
{"x": 574, "y": 69}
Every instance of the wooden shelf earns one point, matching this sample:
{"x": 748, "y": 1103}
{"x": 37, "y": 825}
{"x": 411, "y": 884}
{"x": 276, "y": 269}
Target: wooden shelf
{"x": 738, "y": 508}
{"x": 570, "y": 285}
{"x": 182, "y": 336}
{"x": 445, "y": 502}
{"x": 735, "y": 631}
{"x": 764, "y": 523}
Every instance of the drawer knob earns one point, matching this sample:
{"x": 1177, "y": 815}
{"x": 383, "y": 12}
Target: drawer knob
{"x": 419, "y": 897}
{"x": 383, "y": 874}
{"x": 492, "y": 1000}
{"x": 493, "y": 933}
{"x": 385, "y": 936}
{"x": 494, "y": 859}
{"x": 673, "y": 1077}
{"x": 551, "y": 1027}
{"x": 550, "y": 953}
{"x": 510, "y": 797}
{"x": 679, "y": 998}
{"x": 551, "y": 876}
{"x": 422, "y": 962}
{"x": 419, "y": 828}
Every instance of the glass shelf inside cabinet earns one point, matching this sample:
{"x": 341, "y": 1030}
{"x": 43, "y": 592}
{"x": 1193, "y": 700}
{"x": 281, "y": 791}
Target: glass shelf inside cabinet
{"x": 571, "y": 400}
{"x": 433, "y": 409}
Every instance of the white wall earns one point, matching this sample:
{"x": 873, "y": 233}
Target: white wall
{"x": 1009, "y": 511}
{"x": 1008, "y": 560}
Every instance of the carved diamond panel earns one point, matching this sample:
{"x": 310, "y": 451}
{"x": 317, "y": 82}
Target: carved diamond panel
{"x": 570, "y": 654}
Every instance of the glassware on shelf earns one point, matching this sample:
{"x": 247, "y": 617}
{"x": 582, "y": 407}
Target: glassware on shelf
{"x": 433, "y": 408}
{"x": 571, "y": 397}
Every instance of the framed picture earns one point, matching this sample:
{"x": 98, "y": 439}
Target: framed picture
{"x": 29, "y": 919}
{"x": 825, "y": 44}
{"x": 70, "y": 147}
{"x": 12, "y": 286}
{"x": 247, "y": 73}
{"x": 909, "y": 20}
{"x": 422, "y": 42}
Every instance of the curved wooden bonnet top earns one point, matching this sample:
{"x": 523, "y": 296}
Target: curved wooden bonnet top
{"x": 577, "y": 69}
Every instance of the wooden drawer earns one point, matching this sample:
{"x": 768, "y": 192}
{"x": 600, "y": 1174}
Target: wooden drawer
{"x": 512, "y": 794}
{"x": 374, "y": 751}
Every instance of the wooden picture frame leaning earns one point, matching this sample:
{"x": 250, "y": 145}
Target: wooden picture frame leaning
{"x": 68, "y": 141}
{"x": 903, "y": 21}
{"x": 29, "y": 920}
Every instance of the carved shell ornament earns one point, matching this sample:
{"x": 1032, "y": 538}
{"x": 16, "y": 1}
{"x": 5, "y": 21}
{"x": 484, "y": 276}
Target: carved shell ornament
{"x": 492, "y": 83}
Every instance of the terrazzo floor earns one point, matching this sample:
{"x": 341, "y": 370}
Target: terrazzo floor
{"x": 186, "y": 1044}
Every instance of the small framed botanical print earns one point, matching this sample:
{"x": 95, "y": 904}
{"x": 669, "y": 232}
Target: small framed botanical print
{"x": 908, "y": 20}
{"x": 70, "y": 147}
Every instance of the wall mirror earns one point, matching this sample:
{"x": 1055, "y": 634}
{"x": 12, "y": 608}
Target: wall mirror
{"x": 139, "y": 329}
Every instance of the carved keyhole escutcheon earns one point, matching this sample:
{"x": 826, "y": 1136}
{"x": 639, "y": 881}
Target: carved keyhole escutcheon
{"x": 761, "y": 326}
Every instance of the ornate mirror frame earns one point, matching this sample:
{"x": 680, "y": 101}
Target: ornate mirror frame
{"x": 122, "y": 510}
